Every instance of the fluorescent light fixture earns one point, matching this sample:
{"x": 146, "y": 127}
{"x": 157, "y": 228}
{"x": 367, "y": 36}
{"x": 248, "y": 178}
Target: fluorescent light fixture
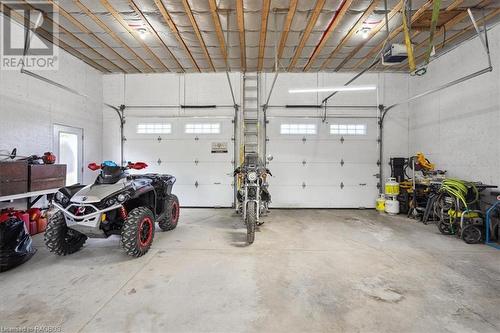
{"x": 332, "y": 89}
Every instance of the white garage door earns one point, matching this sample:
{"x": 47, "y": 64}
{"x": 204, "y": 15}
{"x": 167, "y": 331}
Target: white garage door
{"x": 197, "y": 151}
{"x": 323, "y": 164}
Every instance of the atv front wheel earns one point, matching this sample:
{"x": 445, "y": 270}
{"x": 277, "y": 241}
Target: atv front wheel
{"x": 60, "y": 239}
{"x": 138, "y": 232}
{"x": 251, "y": 221}
{"x": 172, "y": 213}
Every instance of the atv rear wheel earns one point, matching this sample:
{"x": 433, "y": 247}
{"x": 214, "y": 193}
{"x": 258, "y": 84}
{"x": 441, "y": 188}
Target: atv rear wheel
{"x": 138, "y": 232}
{"x": 251, "y": 221}
{"x": 172, "y": 213}
{"x": 60, "y": 239}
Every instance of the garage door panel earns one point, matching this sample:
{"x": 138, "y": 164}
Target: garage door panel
{"x": 321, "y": 197}
{"x": 322, "y": 174}
{"x": 323, "y": 151}
{"x": 203, "y": 195}
{"x": 185, "y": 173}
{"x": 322, "y": 169}
{"x": 184, "y": 150}
{"x": 202, "y": 176}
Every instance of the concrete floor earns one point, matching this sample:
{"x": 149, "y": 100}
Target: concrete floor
{"x": 309, "y": 270}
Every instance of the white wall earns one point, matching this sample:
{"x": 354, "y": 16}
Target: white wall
{"x": 200, "y": 89}
{"x": 390, "y": 89}
{"x": 29, "y": 108}
{"x": 167, "y": 89}
{"x": 459, "y": 127}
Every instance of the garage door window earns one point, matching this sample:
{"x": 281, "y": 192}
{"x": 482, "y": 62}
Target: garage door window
{"x": 154, "y": 128}
{"x": 348, "y": 129}
{"x": 202, "y": 128}
{"x": 298, "y": 129}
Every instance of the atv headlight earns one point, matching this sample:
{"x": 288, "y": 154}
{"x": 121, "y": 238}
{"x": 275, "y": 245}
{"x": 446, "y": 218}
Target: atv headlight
{"x": 252, "y": 176}
{"x": 121, "y": 197}
{"x": 61, "y": 198}
{"x": 110, "y": 202}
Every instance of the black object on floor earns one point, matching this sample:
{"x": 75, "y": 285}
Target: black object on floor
{"x": 15, "y": 244}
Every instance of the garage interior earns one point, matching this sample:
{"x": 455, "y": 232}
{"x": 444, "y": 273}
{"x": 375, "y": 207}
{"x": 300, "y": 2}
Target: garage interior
{"x": 374, "y": 125}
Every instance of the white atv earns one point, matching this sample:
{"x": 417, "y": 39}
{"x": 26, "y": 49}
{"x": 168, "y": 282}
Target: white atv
{"x": 118, "y": 203}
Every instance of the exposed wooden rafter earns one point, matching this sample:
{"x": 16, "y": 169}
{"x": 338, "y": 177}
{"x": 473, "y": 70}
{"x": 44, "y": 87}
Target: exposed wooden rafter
{"x": 240, "y": 17}
{"x": 462, "y": 32}
{"x": 50, "y": 38}
{"x": 113, "y": 35}
{"x": 455, "y": 5}
{"x": 196, "y": 29}
{"x": 393, "y": 34}
{"x": 372, "y": 33}
{"x": 447, "y": 27}
{"x": 175, "y": 31}
{"x": 84, "y": 29}
{"x": 266, "y": 5}
{"x": 286, "y": 27}
{"x": 307, "y": 32}
{"x": 75, "y": 38}
{"x": 218, "y": 29}
{"x": 133, "y": 32}
{"x": 154, "y": 32}
{"x": 331, "y": 28}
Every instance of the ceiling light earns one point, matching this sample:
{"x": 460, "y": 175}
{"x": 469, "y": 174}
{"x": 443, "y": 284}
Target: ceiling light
{"x": 365, "y": 32}
{"x": 142, "y": 33}
{"x": 332, "y": 89}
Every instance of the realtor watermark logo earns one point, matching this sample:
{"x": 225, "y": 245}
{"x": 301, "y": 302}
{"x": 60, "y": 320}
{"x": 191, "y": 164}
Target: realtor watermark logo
{"x": 27, "y": 35}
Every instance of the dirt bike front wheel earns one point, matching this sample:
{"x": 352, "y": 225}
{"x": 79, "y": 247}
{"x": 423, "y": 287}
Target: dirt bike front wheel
{"x": 251, "y": 221}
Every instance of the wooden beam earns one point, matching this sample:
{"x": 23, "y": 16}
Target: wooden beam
{"x": 286, "y": 27}
{"x": 155, "y": 33}
{"x": 454, "y": 5}
{"x": 74, "y": 37}
{"x": 307, "y": 32}
{"x": 218, "y": 29}
{"x": 240, "y": 15}
{"x": 133, "y": 32}
{"x": 393, "y": 34}
{"x": 372, "y": 33}
{"x": 266, "y": 5}
{"x": 463, "y": 32}
{"x": 113, "y": 35}
{"x": 50, "y": 38}
{"x": 196, "y": 29}
{"x": 447, "y": 27}
{"x": 175, "y": 31}
{"x": 344, "y": 7}
{"x": 84, "y": 29}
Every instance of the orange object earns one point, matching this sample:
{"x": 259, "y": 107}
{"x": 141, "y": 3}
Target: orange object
{"x": 49, "y": 158}
{"x": 41, "y": 224}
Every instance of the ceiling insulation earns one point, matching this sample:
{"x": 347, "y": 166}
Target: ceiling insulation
{"x": 148, "y": 36}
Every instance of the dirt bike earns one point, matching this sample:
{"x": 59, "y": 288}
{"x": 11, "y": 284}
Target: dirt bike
{"x": 253, "y": 196}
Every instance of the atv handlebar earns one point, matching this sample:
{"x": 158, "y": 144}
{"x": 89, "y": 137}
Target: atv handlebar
{"x": 136, "y": 166}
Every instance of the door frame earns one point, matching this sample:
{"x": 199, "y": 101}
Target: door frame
{"x": 58, "y": 128}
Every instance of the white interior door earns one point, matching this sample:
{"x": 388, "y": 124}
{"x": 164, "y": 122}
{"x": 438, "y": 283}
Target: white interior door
{"x": 197, "y": 151}
{"x": 68, "y": 147}
{"x": 319, "y": 164}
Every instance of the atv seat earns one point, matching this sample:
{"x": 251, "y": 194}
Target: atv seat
{"x": 110, "y": 175}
